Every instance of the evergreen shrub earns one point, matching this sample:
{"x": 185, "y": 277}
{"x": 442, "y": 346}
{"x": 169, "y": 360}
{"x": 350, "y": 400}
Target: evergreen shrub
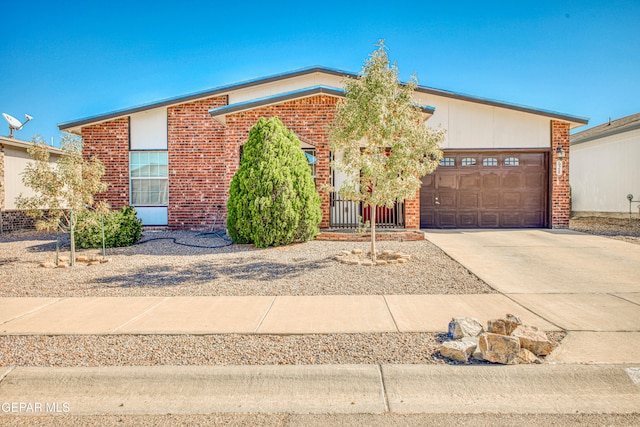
{"x": 272, "y": 198}
{"x": 121, "y": 228}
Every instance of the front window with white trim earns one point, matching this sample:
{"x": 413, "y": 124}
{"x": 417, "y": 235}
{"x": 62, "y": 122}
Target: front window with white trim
{"x": 149, "y": 178}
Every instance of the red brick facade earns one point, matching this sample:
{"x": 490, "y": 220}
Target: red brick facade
{"x": 198, "y": 182}
{"x": 412, "y": 212}
{"x": 109, "y": 141}
{"x": 203, "y": 156}
{"x": 560, "y": 189}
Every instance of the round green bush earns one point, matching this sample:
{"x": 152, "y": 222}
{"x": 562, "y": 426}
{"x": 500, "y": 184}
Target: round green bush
{"x": 273, "y": 199}
{"x": 121, "y": 228}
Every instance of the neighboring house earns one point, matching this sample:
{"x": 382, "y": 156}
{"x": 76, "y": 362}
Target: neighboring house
{"x": 496, "y": 171}
{"x": 605, "y": 168}
{"x": 13, "y": 160}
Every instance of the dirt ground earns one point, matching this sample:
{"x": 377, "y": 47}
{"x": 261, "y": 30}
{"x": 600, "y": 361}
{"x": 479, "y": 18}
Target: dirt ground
{"x": 627, "y": 230}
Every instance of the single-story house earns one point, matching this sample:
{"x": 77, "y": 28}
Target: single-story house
{"x": 13, "y": 160}
{"x": 174, "y": 159}
{"x": 605, "y": 168}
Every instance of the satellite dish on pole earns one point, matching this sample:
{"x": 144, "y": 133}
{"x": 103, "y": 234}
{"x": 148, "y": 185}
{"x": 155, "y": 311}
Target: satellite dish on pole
{"x": 14, "y": 124}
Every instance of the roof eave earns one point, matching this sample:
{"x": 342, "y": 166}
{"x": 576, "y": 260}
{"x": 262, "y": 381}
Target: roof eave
{"x": 76, "y": 125}
{"x": 220, "y": 113}
{"x": 604, "y": 133}
{"x": 575, "y": 121}
{"x": 70, "y": 125}
{"x": 12, "y": 142}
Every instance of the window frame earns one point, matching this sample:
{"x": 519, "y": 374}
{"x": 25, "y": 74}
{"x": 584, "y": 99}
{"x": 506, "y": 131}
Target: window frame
{"x": 468, "y": 162}
{"x": 148, "y": 178}
{"x": 444, "y": 162}
{"x": 490, "y": 162}
{"x": 312, "y": 152}
{"x": 511, "y": 161}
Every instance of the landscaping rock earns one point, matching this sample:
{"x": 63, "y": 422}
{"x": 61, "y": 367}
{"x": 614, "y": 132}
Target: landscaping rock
{"x": 497, "y": 326}
{"x": 63, "y": 259}
{"x": 511, "y": 322}
{"x": 104, "y": 260}
{"x": 526, "y": 357}
{"x": 477, "y": 354}
{"x": 359, "y": 257}
{"x": 82, "y": 258}
{"x": 94, "y": 262}
{"x": 533, "y": 339}
{"x": 499, "y": 348}
{"x": 504, "y": 326}
{"x": 460, "y": 327}
{"x": 47, "y": 265}
{"x": 63, "y": 265}
{"x": 459, "y": 350}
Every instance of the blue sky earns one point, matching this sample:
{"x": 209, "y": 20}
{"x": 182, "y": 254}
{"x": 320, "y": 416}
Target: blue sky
{"x": 62, "y": 61}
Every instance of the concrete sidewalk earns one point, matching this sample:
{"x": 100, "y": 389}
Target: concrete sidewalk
{"x": 323, "y": 389}
{"x": 252, "y": 314}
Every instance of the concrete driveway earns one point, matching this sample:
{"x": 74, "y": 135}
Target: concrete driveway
{"x": 587, "y": 285}
{"x": 544, "y": 261}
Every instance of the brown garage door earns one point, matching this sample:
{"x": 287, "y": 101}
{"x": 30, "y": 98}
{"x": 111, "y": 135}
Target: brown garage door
{"x": 486, "y": 189}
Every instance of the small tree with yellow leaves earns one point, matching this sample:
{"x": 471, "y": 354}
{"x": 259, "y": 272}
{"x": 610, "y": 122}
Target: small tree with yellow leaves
{"x": 62, "y": 190}
{"x": 387, "y": 147}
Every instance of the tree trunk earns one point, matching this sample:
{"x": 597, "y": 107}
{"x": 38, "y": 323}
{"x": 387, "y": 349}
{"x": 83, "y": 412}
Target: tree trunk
{"x": 72, "y": 238}
{"x": 373, "y": 232}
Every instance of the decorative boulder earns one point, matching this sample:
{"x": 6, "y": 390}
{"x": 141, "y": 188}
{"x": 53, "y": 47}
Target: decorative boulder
{"x": 499, "y": 348}
{"x": 460, "y": 327}
{"x": 533, "y": 339}
{"x": 504, "y": 326}
{"x": 525, "y": 357}
{"x": 460, "y": 350}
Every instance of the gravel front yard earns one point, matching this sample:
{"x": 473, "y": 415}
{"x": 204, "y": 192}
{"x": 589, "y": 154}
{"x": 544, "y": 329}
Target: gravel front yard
{"x": 616, "y": 228}
{"x": 163, "y": 268}
{"x": 230, "y": 349}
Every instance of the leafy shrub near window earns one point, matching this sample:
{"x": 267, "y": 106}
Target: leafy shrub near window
{"x": 121, "y": 228}
{"x": 272, "y": 198}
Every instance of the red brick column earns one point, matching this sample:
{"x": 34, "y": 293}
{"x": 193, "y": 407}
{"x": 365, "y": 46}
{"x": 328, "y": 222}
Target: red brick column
{"x": 197, "y": 178}
{"x": 412, "y": 212}
{"x": 560, "y": 190}
{"x": 109, "y": 142}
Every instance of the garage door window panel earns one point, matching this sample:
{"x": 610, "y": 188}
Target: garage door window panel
{"x": 489, "y": 162}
